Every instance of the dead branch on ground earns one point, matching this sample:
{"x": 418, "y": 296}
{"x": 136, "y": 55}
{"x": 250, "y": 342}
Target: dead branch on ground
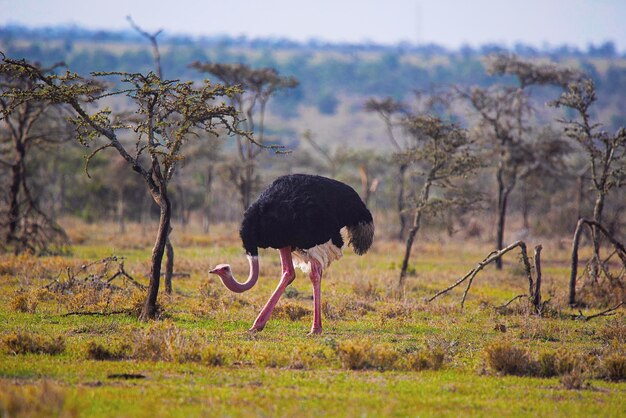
{"x": 606, "y": 312}
{"x": 533, "y": 291}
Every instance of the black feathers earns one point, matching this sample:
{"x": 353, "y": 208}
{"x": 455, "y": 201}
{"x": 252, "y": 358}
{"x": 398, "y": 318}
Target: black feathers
{"x": 302, "y": 211}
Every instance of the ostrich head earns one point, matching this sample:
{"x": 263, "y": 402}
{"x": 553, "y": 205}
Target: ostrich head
{"x": 226, "y": 275}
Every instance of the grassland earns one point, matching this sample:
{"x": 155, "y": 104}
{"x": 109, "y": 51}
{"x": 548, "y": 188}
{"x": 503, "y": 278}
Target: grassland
{"x": 70, "y": 346}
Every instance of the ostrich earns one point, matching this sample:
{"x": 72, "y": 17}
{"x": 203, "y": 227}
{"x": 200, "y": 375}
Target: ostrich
{"x": 301, "y": 216}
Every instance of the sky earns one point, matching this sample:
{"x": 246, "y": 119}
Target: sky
{"x": 451, "y": 23}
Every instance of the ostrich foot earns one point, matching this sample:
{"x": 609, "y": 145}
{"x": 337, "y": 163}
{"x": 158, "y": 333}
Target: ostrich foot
{"x": 316, "y": 331}
{"x": 255, "y": 330}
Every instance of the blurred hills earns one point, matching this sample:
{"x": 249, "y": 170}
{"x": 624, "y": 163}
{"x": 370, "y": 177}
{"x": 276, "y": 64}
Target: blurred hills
{"x": 335, "y": 78}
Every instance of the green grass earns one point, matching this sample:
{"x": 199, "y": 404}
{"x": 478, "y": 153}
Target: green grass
{"x": 200, "y": 361}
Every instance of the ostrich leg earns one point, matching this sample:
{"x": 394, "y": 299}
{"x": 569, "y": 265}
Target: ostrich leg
{"x": 288, "y": 275}
{"x": 316, "y": 279}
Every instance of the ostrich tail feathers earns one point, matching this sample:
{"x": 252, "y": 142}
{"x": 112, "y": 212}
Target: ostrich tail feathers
{"x": 361, "y": 236}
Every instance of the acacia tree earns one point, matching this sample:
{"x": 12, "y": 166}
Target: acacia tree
{"x": 606, "y": 153}
{"x": 24, "y": 128}
{"x": 167, "y": 114}
{"x": 257, "y": 87}
{"x": 442, "y": 154}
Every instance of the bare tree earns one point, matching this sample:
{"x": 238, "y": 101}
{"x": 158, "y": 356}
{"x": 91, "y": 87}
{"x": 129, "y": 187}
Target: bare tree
{"x": 606, "y": 153}
{"x": 167, "y": 114}
{"x": 24, "y": 128}
{"x": 258, "y": 86}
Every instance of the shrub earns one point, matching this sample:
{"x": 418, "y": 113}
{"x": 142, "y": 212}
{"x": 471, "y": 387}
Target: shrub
{"x": 361, "y": 355}
{"x": 44, "y": 400}
{"x": 614, "y": 366}
{"x": 574, "y": 380}
{"x": 366, "y": 290}
{"x": 23, "y": 343}
{"x": 292, "y": 311}
{"x": 614, "y": 331}
{"x": 22, "y": 302}
{"x": 212, "y": 357}
{"x": 425, "y": 360}
{"x": 163, "y": 341}
{"x": 557, "y": 363}
{"x": 97, "y": 351}
{"x": 506, "y": 359}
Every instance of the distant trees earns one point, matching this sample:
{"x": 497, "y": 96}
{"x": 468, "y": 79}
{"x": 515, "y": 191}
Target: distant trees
{"x": 505, "y": 130}
{"x": 26, "y": 127}
{"x": 167, "y": 113}
{"x": 257, "y": 87}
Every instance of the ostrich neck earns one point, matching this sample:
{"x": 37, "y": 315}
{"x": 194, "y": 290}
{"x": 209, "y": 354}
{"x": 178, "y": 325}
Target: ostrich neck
{"x": 233, "y": 285}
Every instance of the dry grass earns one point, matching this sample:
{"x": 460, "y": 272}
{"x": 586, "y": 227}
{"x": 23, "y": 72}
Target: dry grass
{"x": 366, "y": 328}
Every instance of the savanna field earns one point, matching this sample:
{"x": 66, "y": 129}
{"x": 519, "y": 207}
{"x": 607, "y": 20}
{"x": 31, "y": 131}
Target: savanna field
{"x": 71, "y": 343}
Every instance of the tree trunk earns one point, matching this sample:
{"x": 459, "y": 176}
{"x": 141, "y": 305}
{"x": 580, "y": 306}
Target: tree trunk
{"x": 536, "y": 296}
{"x": 120, "y": 210}
{"x": 169, "y": 265}
{"x": 150, "y": 308}
{"x": 17, "y": 177}
{"x": 182, "y": 205}
{"x": 574, "y": 262}
{"x": 413, "y": 232}
{"x": 503, "y": 197}
{"x": 525, "y": 206}
{"x": 597, "y": 217}
{"x": 400, "y": 201}
{"x": 247, "y": 185}
{"x": 580, "y": 195}
{"x": 206, "y": 220}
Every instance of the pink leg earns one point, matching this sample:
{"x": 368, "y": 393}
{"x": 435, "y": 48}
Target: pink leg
{"x": 316, "y": 279}
{"x": 288, "y": 275}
